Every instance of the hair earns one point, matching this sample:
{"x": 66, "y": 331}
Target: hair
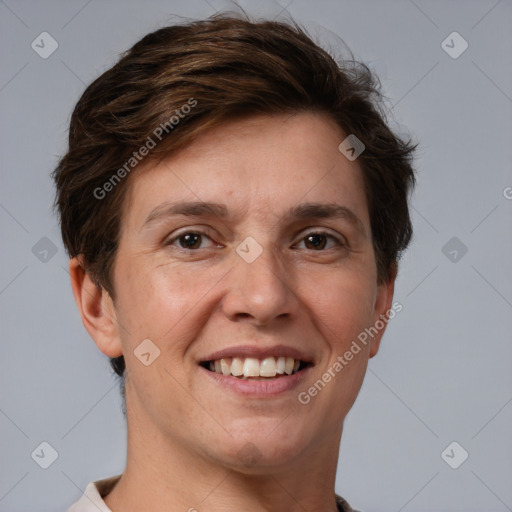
{"x": 181, "y": 80}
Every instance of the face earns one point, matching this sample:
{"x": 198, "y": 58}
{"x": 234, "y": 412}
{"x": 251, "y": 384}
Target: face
{"x": 271, "y": 268}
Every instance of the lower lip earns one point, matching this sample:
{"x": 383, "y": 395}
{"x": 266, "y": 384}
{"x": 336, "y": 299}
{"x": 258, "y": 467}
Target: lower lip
{"x": 261, "y": 387}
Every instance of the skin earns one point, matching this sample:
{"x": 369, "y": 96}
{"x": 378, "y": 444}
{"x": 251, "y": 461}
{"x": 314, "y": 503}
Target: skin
{"x": 185, "y": 432}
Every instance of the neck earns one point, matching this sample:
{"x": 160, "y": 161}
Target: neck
{"x": 175, "y": 481}
{"x": 163, "y": 474}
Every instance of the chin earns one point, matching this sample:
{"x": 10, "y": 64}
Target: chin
{"x": 263, "y": 450}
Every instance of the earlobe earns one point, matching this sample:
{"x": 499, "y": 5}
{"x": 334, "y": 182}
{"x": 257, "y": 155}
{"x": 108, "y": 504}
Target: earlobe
{"x": 383, "y": 304}
{"x": 96, "y": 309}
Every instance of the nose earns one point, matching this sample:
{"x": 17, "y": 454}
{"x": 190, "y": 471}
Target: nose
{"x": 260, "y": 291}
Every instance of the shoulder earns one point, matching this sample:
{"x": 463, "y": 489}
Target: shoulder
{"x": 343, "y": 505}
{"x": 92, "y": 498}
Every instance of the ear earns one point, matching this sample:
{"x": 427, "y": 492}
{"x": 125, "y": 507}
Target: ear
{"x": 96, "y": 309}
{"x": 383, "y": 303}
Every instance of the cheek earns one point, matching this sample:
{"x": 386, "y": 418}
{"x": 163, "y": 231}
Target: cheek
{"x": 342, "y": 311}
{"x": 343, "y": 305}
{"x": 151, "y": 301}
{"x": 165, "y": 304}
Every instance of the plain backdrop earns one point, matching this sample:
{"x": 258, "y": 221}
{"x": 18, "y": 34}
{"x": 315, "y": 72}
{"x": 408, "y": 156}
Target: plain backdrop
{"x": 444, "y": 371}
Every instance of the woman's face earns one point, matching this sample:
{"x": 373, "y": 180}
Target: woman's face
{"x": 259, "y": 265}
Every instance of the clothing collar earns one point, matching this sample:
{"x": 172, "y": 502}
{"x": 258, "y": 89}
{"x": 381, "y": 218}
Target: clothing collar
{"x": 92, "y": 498}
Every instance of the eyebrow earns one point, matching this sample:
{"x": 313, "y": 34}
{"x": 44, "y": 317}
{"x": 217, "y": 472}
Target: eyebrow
{"x": 301, "y": 212}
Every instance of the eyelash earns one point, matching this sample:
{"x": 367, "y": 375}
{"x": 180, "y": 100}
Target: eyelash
{"x": 339, "y": 241}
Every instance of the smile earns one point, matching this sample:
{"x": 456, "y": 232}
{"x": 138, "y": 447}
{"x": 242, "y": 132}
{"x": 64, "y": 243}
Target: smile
{"x": 253, "y": 368}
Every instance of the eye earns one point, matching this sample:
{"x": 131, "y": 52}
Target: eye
{"x": 317, "y": 240}
{"x": 188, "y": 240}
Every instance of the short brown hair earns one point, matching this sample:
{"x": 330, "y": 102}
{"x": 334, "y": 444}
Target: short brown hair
{"x": 223, "y": 67}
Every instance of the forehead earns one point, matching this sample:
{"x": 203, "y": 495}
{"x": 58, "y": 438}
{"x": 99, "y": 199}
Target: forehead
{"x": 261, "y": 165}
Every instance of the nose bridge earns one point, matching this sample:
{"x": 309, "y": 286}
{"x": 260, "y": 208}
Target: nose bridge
{"x": 259, "y": 286}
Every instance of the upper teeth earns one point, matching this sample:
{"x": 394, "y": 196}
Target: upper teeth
{"x": 252, "y": 367}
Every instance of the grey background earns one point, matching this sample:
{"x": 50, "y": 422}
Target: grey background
{"x": 444, "y": 370}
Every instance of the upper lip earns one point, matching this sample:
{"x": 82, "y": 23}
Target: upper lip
{"x": 258, "y": 352}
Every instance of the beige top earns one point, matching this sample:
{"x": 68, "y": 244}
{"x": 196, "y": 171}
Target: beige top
{"x": 92, "y": 498}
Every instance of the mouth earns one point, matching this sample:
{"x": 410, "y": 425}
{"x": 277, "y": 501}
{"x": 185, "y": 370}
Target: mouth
{"x": 252, "y": 368}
